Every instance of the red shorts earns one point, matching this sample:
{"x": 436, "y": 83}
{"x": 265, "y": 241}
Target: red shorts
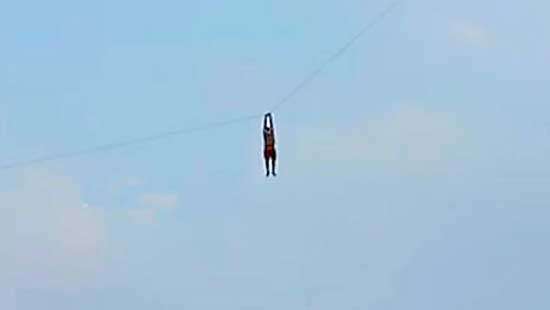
{"x": 270, "y": 153}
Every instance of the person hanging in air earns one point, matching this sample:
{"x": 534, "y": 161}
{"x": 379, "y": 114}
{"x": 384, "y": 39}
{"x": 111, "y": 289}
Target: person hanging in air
{"x": 269, "y": 145}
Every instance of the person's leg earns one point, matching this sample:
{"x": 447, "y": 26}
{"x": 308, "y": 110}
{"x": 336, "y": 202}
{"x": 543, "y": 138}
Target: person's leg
{"x": 266, "y": 158}
{"x": 273, "y": 162}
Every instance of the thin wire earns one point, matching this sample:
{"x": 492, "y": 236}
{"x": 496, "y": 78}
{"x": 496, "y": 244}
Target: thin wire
{"x": 164, "y": 135}
{"x": 127, "y": 143}
{"x": 336, "y": 55}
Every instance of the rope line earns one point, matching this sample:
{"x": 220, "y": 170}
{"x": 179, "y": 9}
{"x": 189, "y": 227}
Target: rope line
{"x": 127, "y": 143}
{"x": 164, "y": 135}
{"x": 336, "y": 55}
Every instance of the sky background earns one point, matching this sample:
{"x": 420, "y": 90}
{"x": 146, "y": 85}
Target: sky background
{"x": 414, "y": 172}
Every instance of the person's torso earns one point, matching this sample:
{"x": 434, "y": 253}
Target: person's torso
{"x": 269, "y": 139}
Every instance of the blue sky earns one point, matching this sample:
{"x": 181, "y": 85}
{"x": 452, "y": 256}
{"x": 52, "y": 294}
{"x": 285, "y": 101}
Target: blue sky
{"x": 414, "y": 171}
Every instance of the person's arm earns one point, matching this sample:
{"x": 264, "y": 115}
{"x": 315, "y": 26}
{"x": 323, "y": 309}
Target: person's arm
{"x": 272, "y": 127}
{"x": 265, "y": 121}
{"x": 271, "y": 122}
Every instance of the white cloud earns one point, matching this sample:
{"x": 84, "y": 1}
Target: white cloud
{"x": 58, "y": 243}
{"x": 152, "y": 205}
{"x": 143, "y": 215}
{"x": 406, "y": 137}
{"x": 7, "y": 299}
{"x": 126, "y": 183}
{"x": 7, "y": 257}
{"x": 470, "y": 33}
{"x": 132, "y": 182}
{"x": 159, "y": 200}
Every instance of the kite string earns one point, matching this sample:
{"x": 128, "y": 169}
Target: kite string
{"x": 148, "y": 139}
{"x": 336, "y": 55}
{"x": 127, "y": 143}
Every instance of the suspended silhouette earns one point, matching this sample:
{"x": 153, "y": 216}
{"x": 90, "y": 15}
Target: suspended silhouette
{"x": 270, "y": 153}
